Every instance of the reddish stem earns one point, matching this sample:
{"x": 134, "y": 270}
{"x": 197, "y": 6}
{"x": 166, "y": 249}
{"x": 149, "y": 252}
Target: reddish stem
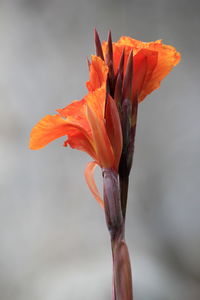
{"x": 122, "y": 277}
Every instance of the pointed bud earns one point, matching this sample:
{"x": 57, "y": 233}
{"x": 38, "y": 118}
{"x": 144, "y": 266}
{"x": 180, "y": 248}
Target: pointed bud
{"x": 121, "y": 64}
{"x": 109, "y": 62}
{"x": 131, "y": 145}
{"x": 127, "y": 84}
{"x": 118, "y": 91}
{"x": 124, "y": 168}
{"x": 126, "y": 113}
{"x": 109, "y": 54}
{"x": 129, "y": 130}
{"x": 99, "y": 51}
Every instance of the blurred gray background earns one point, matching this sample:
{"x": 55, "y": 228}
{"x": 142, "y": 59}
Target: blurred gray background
{"x": 53, "y": 240}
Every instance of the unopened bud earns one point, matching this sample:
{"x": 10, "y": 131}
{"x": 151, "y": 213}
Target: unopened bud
{"x": 126, "y": 113}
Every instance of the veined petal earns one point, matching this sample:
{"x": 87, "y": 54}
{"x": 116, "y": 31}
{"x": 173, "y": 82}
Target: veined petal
{"x": 98, "y": 73}
{"x": 89, "y": 176}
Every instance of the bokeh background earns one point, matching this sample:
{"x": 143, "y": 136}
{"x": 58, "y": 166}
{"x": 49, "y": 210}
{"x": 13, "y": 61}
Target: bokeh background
{"x": 54, "y": 243}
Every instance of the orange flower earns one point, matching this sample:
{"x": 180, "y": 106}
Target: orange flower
{"x": 126, "y": 70}
{"x": 91, "y": 125}
{"x": 151, "y": 63}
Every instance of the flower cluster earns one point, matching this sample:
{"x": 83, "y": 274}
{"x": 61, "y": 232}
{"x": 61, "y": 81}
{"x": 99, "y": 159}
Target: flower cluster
{"x": 103, "y": 123}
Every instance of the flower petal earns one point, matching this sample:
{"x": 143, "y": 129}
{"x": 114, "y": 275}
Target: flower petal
{"x": 76, "y": 112}
{"x": 89, "y": 176}
{"x": 95, "y": 106}
{"x": 79, "y": 142}
{"x": 168, "y": 58}
{"x": 47, "y": 130}
{"x": 98, "y": 73}
{"x": 52, "y": 127}
{"x": 145, "y": 62}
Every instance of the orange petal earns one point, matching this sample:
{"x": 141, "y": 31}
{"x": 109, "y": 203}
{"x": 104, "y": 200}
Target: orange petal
{"x": 76, "y": 111}
{"x": 96, "y": 100}
{"x": 79, "y": 142}
{"x": 145, "y": 62}
{"x": 102, "y": 144}
{"x": 89, "y": 176}
{"x": 95, "y": 105}
{"x": 47, "y": 130}
{"x": 75, "y": 108}
{"x": 98, "y": 73}
{"x": 52, "y": 127}
{"x": 168, "y": 57}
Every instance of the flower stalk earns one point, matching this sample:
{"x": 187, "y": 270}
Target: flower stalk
{"x": 122, "y": 278}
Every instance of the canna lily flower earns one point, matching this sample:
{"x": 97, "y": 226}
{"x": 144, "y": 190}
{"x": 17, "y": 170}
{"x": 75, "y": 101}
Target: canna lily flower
{"x": 103, "y": 123}
{"x": 91, "y": 125}
{"x": 152, "y": 62}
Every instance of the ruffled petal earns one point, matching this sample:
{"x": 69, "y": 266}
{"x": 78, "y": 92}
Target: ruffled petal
{"x": 167, "y": 58}
{"x": 89, "y": 176}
